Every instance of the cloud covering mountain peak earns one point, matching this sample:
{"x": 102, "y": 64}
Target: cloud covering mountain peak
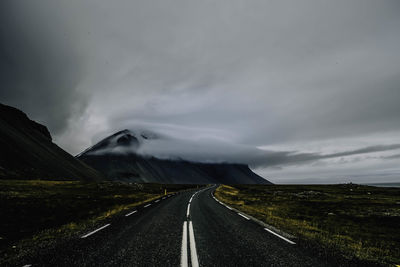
{"x": 209, "y": 149}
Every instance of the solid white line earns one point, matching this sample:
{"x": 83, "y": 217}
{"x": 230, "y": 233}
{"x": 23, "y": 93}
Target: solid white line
{"x": 247, "y": 218}
{"x": 130, "y": 213}
{"x": 184, "y": 254}
{"x": 91, "y": 233}
{"x": 148, "y": 205}
{"x": 188, "y": 210}
{"x": 284, "y": 238}
{"x": 193, "y": 251}
{"x": 228, "y": 207}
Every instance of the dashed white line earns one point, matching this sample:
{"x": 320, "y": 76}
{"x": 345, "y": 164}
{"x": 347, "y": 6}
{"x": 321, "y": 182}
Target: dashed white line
{"x": 247, "y": 218}
{"x": 95, "y": 231}
{"x": 184, "y": 254}
{"x": 188, "y": 210}
{"x": 193, "y": 251}
{"x": 157, "y": 201}
{"x": 27, "y": 265}
{"x": 148, "y": 205}
{"x": 130, "y": 213}
{"x": 284, "y": 238}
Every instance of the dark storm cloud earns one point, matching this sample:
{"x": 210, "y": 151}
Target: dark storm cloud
{"x": 269, "y": 72}
{"x": 39, "y": 66}
{"x": 255, "y": 73}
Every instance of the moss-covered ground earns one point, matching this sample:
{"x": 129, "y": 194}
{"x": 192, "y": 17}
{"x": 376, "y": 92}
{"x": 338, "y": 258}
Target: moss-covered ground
{"x": 34, "y": 210}
{"x": 355, "y": 221}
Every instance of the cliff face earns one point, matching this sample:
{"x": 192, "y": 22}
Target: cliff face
{"x": 19, "y": 120}
{"x": 27, "y": 151}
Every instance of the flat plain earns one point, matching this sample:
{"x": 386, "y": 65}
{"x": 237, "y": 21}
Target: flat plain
{"x": 37, "y": 212}
{"x": 348, "y": 220}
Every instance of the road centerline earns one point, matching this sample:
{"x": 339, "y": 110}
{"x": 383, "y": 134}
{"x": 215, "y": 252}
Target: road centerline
{"x": 184, "y": 254}
{"x": 188, "y": 210}
{"x": 193, "y": 251}
{"x": 192, "y": 243}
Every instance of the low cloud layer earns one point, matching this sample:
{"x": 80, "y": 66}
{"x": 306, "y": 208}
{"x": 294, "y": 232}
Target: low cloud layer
{"x": 205, "y": 148}
{"x": 255, "y": 73}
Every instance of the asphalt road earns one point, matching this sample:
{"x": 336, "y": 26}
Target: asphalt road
{"x": 171, "y": 232}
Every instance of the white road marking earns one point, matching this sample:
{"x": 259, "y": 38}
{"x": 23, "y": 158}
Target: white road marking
{"x": 27, "y": 265}
{"x": 130, "y": 213}
{"x": 284, "y": 238}
{"x": 95, "y": 231}
{"x": 247, "y": 218}
{"x": 226, "y": 206}
{"x": 184, "y": 254}
{"x": 157, "y": 201}
{"x": 193, "y": 251}
{"x": 184, "y": 249}
{"x": 163, "y": 198}
{"x": 188, "y": 210}
{"x": 148, "y": 205}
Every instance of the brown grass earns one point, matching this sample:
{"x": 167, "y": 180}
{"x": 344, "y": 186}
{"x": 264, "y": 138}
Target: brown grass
{"x": 355, "y": 221}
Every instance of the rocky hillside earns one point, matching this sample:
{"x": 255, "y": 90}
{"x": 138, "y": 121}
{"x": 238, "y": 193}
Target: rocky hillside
{"x": 27, "y": 151}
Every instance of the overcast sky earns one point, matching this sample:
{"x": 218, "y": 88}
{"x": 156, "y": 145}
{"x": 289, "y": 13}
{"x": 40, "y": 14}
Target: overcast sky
{"x": 312, "y": 87}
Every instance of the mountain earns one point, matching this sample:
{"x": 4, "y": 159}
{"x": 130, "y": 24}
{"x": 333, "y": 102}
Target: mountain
{"x": 117, "y": 158}
{"x": 27, "y": 151}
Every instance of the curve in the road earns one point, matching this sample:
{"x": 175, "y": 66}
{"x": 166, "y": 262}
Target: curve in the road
{"x": 189, "y": 229}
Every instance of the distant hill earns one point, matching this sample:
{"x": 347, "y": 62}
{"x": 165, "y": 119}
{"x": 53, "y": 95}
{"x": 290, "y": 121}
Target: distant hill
{"x": 27, "y": 151}
{"x": 117, "y": 158}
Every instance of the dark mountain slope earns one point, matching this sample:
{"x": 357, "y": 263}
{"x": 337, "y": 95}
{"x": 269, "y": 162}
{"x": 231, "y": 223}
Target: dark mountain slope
{"x": 116, "y": 157}
{"x": 27, "y": 151}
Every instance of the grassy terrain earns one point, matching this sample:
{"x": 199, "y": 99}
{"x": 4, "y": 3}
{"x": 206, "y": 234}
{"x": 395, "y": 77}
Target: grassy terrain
{"x": 359, "y": 222}
{"x": 38, "y": 210}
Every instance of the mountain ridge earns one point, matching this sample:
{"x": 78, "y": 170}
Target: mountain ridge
{"x": 117, "y": 157}
{"x": 27, "y": 151}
